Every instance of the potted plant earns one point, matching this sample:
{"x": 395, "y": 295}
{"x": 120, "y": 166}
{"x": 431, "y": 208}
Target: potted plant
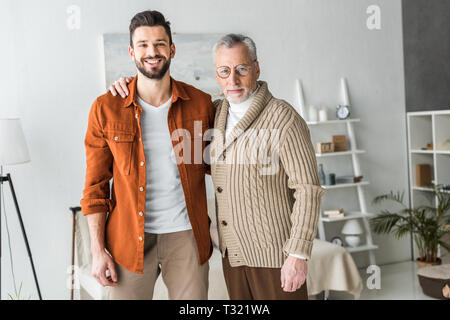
{"x": 427, "y": 223}
{"x": 17, "y": 295}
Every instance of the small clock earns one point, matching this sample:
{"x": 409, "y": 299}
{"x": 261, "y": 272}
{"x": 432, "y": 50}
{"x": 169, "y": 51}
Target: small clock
{"x": 342, "y": 112}
{"x": 337, "y": 241}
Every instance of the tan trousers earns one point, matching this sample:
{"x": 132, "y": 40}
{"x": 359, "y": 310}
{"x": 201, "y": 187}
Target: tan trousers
{"x": 250, "y": 283}
{"x": 175, "y": 255}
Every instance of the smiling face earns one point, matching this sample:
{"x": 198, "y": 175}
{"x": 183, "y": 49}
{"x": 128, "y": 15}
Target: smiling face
{"x": 236, "y": 87}
{"x": 152, "y": 51}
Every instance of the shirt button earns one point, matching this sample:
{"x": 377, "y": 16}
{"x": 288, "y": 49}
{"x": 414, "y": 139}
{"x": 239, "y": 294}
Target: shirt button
{"x": 136, "y": 115}
{"x": 224, "y": 223}
{"x": 116, "y": 138}
{"x": 141, "y": 213}
{"x": 141, "y": 188}
{"x": 142, "y": 163}
{"x": 219, "y": 190}
{"x": 139, "y": 139}
{"x": 140, "y": 238}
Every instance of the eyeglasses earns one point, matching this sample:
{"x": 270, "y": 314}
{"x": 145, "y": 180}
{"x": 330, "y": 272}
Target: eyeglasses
{"x": 242, "y": 70}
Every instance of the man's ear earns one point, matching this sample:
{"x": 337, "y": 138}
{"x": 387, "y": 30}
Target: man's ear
{"x": 172, "y": 51}
{"x": 131, "y": 52}
{"x": 257, "y": 69}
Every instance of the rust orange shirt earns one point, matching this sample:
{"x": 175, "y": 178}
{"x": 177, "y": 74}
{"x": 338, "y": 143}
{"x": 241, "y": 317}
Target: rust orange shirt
{"x": 114, "y": 149}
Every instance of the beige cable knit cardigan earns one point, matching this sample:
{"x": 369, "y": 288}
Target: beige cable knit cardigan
{"x": 266, "y": 182}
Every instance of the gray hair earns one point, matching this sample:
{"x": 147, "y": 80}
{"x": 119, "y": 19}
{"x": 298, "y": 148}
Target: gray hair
{"x": 232, "y": 39}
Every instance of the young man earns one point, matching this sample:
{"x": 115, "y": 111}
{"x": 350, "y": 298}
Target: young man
{"x": 265, "y": 173}
{"x": 148, "y": 144}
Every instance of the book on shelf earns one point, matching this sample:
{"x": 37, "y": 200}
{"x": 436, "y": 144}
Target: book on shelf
{"x": 348, "y": 179}
{"x": 335, "y": 216}
{"x": 329, "y": 212}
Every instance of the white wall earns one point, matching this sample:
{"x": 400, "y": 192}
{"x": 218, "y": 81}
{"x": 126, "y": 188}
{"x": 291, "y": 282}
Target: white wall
{"x": 51, "y": 75}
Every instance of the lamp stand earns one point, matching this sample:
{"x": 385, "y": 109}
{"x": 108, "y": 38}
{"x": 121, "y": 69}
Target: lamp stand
{"x": 8, "y": 178}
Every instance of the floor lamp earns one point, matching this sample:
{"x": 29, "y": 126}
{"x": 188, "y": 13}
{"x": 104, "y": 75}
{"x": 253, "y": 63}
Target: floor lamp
{"x": 13, "y": 150}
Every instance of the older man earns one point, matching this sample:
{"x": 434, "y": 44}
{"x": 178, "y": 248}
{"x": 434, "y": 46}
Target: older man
{"x": 265, "y": 176}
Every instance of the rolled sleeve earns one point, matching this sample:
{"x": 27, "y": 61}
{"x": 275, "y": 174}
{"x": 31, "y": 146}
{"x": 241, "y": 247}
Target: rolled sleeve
{"x": 298, "y": 158}
{"x": 99, "y": 160}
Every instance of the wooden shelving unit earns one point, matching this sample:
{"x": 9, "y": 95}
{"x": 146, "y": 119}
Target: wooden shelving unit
{"x": 362, "y": 214}
{"x": 423, "y": 128}
{"x": 428, "y": 127}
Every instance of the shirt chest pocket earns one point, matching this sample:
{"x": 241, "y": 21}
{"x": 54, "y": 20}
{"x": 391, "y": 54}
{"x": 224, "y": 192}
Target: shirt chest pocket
{"x": 121, "y": 144}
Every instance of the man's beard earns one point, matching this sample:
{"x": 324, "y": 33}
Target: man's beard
{"x": 158, "y": 75}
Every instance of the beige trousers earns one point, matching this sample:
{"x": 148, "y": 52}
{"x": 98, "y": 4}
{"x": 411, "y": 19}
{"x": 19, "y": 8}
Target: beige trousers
{"x": 175, "y": 256}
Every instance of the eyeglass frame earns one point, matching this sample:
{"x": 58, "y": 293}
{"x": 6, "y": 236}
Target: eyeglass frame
{"x": 243, "y": 64}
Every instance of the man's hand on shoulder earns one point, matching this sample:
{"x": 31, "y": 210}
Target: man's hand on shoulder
{"x": 293, "y": 273}
{"x": 120, "y": 87}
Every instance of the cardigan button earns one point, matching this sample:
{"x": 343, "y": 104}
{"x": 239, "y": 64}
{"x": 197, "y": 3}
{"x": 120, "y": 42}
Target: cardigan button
{"x": 219, "y": 189}
{"x": 224, "y": 223}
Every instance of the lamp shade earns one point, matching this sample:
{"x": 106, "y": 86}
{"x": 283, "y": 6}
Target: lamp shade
{"x": 352, "y": 227}
{"x": 13, "y": 147}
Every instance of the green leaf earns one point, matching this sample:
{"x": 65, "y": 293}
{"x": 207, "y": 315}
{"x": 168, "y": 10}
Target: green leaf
{"x": 398, "y": 198}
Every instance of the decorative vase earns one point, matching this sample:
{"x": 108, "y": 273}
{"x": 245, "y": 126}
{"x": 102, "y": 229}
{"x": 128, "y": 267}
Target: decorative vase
{"x": 301, "y": 100}
{"x": 330, "y": 179}
{"x": 344, "y": 92}
{"x": 323, "y": 114}
{"x": 312, "y": 114}
{"x": 321, "y": 174}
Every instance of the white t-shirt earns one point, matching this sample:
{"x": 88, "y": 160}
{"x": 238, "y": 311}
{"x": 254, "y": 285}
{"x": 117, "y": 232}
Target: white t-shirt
{"x": 165, "y": 205}
{"x": 236, "y": 111}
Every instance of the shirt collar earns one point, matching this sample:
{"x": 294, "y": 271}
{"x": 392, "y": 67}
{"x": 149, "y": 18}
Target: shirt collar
{"x": 178, "y": 91}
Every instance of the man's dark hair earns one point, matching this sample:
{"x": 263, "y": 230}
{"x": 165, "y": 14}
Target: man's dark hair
{"x": 149, "y": 18}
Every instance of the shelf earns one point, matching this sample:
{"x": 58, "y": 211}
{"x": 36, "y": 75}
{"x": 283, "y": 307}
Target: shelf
{"x": 442, "y": 151}
{"x": 422, "y": 151}
{"x": 311, "y": 123}
{"x": 350, "y": 215}
{"x": 324, "y": 221}
{"x": 340, "y": 153}
{"x": 427, "y": 113}
{"x": 345, "y": 185}
{"x": 422, "y": 189}
{"x": 427, "y": 189}
{"x": 430, "y": 151}
{"x": 366, "y": 247}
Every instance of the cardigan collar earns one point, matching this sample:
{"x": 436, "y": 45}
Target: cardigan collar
{"x": 260, "y": 101}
